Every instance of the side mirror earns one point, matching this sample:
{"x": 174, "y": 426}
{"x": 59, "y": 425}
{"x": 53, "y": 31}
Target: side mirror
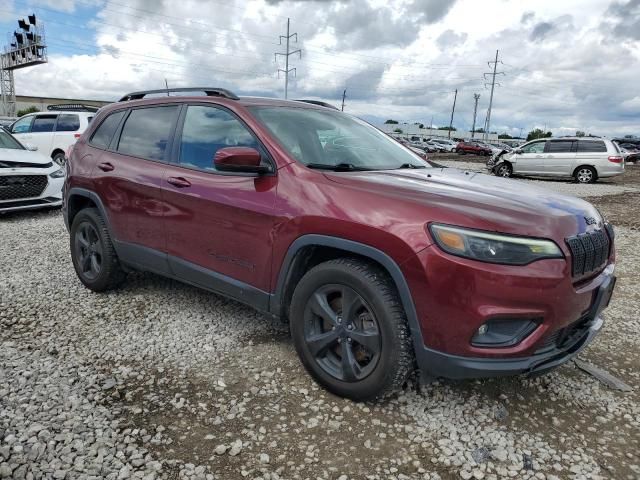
{"x": 30, "y": 147}
{"x": 518, "y": 151}
{"x": 239, "y": 160}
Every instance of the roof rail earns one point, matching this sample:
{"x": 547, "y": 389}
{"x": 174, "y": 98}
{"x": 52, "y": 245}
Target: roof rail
{"x": 318, "y": 102}
{"x": 72, "y": 107}
{"x": 210, "y": 92}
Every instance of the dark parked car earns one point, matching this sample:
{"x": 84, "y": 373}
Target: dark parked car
{"x": 379, "y": 262}
{"x": 474, "y": 148}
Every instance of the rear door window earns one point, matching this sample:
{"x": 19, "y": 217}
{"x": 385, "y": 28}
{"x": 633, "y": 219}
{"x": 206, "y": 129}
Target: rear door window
{"x": 591, "y": 146}
{"x": 43, "y": 123}
{"x": 68, "y": 123}
{"x": 560, "y": 146}
{"x": 101, "y": 138}
{"x": 147, "y": 131}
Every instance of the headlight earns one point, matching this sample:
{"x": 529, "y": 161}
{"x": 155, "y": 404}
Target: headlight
{"x": 58, "y": 173}
{"x": 493, "y": 247}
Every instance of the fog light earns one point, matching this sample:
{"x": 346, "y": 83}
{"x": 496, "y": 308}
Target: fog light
{"x": 504, "y": 332}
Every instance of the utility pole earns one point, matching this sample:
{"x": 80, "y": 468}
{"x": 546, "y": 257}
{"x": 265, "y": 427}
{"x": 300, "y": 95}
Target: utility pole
{"x": 344, "y": 94}
{"x": 476, "y": 97}
{"x": 520, "y": 136}
{"x": 455, "y": 96}
{"x": 493, "y": 84}
{"x": 286, "y": 56}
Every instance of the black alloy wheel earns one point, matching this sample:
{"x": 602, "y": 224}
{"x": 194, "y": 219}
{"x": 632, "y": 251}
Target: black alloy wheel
{"x": 342, "y": 333}
{"x": 89, "y": 251}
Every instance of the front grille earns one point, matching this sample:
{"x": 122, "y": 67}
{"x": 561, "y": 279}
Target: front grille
{"x": 566, "y": 337}
{"x": 589, "y": 252}
{"x": 5, "y": 164}
{"x": 13, "y": 187}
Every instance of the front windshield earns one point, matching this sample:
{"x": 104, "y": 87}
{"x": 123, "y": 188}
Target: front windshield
{"x": 7, "y": 141}
{"x": 327, "y": 138}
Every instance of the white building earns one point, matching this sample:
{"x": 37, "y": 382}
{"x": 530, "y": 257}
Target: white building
{"x": 410, "y": 130}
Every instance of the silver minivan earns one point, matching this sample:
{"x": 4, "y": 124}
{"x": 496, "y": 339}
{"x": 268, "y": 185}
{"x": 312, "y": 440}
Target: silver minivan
{"x": 586, "y": 159}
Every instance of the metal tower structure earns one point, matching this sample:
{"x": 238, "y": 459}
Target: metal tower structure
{"x": 25, "y": 47}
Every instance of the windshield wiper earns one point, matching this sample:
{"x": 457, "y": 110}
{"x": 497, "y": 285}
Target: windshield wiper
{"x": 411, "y": 165}
{"x": 338, "y": 167}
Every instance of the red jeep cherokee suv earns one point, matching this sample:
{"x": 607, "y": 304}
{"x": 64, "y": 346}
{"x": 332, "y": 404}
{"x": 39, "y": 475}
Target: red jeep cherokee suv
{"x": 380, "y": 263}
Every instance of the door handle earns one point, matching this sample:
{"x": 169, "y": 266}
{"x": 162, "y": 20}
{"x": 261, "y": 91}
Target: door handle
{"x": 106, "y": 167}
{"x": 179, "y": 182}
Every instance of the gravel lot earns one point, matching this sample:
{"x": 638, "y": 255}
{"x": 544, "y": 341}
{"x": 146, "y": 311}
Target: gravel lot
{"x": 160, "y": 380}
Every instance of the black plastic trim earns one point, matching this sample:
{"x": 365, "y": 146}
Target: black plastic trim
{"x": 82, "y": 192}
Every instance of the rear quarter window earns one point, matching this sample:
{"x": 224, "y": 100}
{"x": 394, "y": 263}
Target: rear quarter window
{"x": 591, "y": 146}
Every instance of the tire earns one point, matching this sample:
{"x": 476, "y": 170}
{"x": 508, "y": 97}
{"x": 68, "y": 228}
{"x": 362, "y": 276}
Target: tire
{"x": 328, "y": 345}
{"x": 585, "y": 174}
{"x": 60, "y": 159}
{"x": 504, "y": 170}
{"x": 92, "y": 252}
{"x": 461, "y": 152}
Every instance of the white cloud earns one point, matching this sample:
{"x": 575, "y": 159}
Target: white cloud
{"x": 564, "y": 65}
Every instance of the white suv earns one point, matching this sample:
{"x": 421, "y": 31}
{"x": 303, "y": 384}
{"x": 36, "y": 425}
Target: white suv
{"x": 586, "y": 159}
{"x": 54, "y": 131}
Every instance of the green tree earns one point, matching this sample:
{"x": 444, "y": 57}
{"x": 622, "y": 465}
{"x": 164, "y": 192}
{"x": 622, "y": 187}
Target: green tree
{"x": 479, "y": 130}
{"x": 506, "y": 136}
{"x": 579, "y": 133}
{"x": 538, "y": 133}
{"x": 398, "y": 130}
{"x": 453, "y": 129}
{"x": 391, "y": 122}
{"x": 24, "y": 111}
{"x": 420, "y": 125}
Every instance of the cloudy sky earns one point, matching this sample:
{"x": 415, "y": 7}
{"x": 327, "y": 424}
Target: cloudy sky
{"x": 570, "y": 65}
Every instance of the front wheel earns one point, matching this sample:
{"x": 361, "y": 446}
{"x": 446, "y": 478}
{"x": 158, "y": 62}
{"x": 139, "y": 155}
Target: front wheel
{"x": 350, "y": 329}
{"x": 585, "y": 175}
{"x": 504, "y": 170}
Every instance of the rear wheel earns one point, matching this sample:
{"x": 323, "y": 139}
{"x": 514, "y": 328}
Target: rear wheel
{"x": 92, "y": 252}
{"x": 585, "y": 175}
{"x": 350, "y": 330}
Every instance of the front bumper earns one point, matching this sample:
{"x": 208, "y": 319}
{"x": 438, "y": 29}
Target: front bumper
{"x": 561, "y": 347}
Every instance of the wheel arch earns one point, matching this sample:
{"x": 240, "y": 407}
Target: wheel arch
{"x": 56, "y": 151}
{"x": 582, "y": 165}
{"x": 80, "y": 198}
{"x": 312, "y": 249}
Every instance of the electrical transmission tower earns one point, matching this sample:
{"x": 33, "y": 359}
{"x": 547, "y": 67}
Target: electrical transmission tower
{"x": 286, "y": 56}
{"x": 493, "y": 85}
{"x": 476, "y": 97}
{"x": 344, "y": 95}
{"x": 455, "y": 96}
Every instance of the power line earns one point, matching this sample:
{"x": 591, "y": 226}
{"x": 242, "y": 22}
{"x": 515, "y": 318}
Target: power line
{"x": 493, "y": 84}
{"x": 286, "y": 56}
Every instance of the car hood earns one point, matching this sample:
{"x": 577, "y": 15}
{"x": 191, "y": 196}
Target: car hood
{"x": 477, "y": 200}
{"x": 11, "y": 155}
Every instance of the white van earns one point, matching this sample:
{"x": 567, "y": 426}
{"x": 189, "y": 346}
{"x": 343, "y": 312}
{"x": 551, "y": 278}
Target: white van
{"x": 586, "y": 159}
{"x": 55, "y": 130}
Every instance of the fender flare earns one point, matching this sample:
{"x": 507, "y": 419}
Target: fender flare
{"x": 360, "y": 249}
{"x": 83, "y": 192}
